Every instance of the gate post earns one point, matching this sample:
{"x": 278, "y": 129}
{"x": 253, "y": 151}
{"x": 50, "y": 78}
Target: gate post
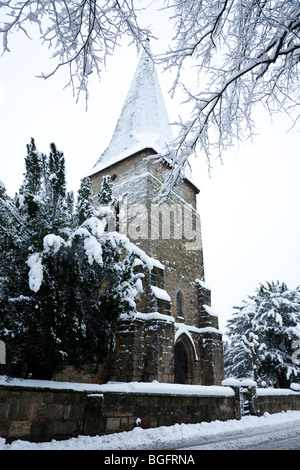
{"x": 244, "y": 401}
{"x": 237, "y": 402}
{"x": 253, "y": 403}
{"x": 244, "y": 394}
{"x": 234, "y": 384}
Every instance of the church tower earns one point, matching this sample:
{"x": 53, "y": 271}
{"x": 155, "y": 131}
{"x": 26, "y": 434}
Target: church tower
{"x": 174, "y": 337}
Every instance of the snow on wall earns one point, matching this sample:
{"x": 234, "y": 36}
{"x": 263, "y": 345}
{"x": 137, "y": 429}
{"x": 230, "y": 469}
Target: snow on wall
{"x": 160, "y": 293}
{"x": 210, "y": 311}
{"x": 146, "y": 387}
{"x": 147, "y": 316}
{"x": 123, "y": 387}
{"x": 262, "y": 392}
{"x": 203, "y": 284}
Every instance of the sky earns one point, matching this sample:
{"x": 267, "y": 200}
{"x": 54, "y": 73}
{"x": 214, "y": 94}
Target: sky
{"x": 249, "y": 205}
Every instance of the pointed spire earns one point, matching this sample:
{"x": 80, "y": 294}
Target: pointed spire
{"x": 143, "y": 122}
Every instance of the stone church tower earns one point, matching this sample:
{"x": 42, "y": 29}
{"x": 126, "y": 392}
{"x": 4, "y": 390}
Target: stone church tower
{"x": 174, "y": 337}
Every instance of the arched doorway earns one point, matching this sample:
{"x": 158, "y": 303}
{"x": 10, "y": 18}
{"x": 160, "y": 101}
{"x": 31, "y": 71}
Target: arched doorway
{"x": 184, "y": 360}
{"x": 181, "y": 363}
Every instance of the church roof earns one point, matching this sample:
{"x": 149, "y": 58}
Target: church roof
{"x": 143, "y": 122}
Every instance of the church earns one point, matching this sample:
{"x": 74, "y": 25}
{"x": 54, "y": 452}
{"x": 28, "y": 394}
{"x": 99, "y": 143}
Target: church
{"x": 174, "y": 336}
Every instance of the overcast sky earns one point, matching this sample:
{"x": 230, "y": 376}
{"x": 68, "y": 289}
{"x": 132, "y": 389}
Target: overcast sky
{"x": 249, "y": 207}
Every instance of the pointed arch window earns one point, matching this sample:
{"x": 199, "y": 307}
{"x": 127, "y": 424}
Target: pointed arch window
{"x": 179, "y": 305}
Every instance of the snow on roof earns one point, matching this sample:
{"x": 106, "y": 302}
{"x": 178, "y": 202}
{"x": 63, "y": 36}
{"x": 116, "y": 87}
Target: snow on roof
{"x": 147, "y": 316}
{"x": 203, "y": 284}
{"x": 143, "y": 122}
{"x": 160, "y": 293}
{"x": 170, "y": 319}
{"x": 210, "y": 311}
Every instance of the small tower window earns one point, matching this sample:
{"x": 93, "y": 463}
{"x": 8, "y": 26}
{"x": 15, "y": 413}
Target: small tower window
{"x": 157, "y": 277}
{"x": 179, "y": 310}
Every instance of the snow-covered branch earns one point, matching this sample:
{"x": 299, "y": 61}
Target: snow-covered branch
{"x": 82, "y": 33}
{"x": 226, "y": 56}
{"x": 242, "y": 53}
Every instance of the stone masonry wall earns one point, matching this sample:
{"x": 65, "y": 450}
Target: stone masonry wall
{"x": 37, "y": 414}
{"x": 42, "y": 414}
{"x": 122, "y": 411}
{"x": 144, "y": 350}
{"x": 167, "y": 237}
{"x": 278, "y": 401}
{"x": 138, "y": 181}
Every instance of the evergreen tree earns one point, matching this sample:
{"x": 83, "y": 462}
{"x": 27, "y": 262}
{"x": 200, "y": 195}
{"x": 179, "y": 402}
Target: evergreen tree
{"x": 262, "y": 333}
{"x": 42, "y": 200}
{"x": 237, "y": 361}
{"x": 56, "y": 186}
{"x": 64, "y": 280}
{"x": 84, "y": 206}
{"x": 33, "y": 178}
{"x": 105, "y": 196}
{"x": 14, "y": 243}
{"x": 109, "y": 205}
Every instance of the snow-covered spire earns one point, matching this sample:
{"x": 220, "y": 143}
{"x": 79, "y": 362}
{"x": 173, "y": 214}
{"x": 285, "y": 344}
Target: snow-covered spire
{"x": 143, "y": 122}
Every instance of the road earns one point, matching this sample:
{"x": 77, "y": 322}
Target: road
{"x": 283, "y": 437}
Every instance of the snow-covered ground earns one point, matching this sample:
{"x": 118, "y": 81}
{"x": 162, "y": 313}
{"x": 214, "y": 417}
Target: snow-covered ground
{"x": 232, "y": 434}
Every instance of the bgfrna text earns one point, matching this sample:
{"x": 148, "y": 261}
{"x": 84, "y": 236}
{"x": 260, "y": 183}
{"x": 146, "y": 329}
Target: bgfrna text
{"x": 151, "y": 459}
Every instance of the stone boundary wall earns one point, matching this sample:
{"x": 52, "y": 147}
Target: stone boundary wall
{"x": 277, "y": 400}
{"x": 37, "y": 414}
{"x": 40, "y": 414}
{"x": 262, "y": 400}
{"x": 122, "y": 412}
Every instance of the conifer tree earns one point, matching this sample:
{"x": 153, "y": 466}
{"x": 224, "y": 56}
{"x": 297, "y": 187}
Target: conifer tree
{"x": 84, "y": 205}
{"x": 56, "y": 185}
{"x": 262, "y": 333}
{"x": 107, "y": 200}
{"x": 33, "y": 178}
{"x": 64, "y": 280}
{"x": 105, "y": 196}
